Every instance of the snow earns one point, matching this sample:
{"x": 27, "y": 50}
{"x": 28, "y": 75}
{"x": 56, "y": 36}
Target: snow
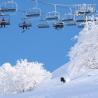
{"x": 79, "y": 88}
{"x": 60, "y": 71}
{"x": 22, "y": 77}
{"x": 81, "y": 74}
{"x": 84, "y": 55}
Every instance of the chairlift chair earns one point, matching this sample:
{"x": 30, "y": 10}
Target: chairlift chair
{"x": 69, "y": 19}
{"x": 85, "y": 9}
{"x": 82, "y": 19}
{"x": 58, "y": 25}
{"x": 52, "y": 16}
{"x": 43, "y": 24}
{"x": 9, "y": 6}
{"x": 4, "y": 20}
{"x": 35, "y": 12}
{"x": 25, "y": 24}
{"x": 83, "y": 12}
{"x": 82, "y": 9}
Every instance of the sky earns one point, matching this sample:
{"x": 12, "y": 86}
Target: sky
{"x": 48, "y": 46}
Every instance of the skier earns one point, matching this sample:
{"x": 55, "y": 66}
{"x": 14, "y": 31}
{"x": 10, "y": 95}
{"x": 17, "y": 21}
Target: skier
{"x": 3, "y": 23}
{"x": 25, "y": 26}
{"x": 62, "y": 79}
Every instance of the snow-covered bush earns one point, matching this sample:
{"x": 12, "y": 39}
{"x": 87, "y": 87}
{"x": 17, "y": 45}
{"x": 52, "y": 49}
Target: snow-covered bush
{"x": 21, "y": 77}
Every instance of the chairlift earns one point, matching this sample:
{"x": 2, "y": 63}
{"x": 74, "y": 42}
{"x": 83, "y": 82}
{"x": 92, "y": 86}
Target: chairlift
{"x": 69, "y": 19}
{"x": 43, "y": 24}
{"x": 34, "y": 12}
{"x": 25, "y": 24}
{"x": 82, "y": 22}
{"x": 53, "y": 16}
{"x": 58, "y": 25}
{"x": 85, "y": 9}
{"x": 82, "y": 19}
{"x": 4, "y": 20}
{"x": 9, "y": 6}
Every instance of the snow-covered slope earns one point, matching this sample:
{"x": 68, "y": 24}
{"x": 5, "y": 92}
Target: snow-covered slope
{"x": 82, "y": 71}
{"x": 84, "y": 87}
{"x": 62, "y": 71}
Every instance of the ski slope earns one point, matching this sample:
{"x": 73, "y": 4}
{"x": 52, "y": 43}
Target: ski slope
{"x": 84, "y": 87}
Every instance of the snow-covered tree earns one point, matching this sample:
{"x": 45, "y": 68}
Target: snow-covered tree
{"x": 84, "y": 54}
{"x": 21, "y": 77}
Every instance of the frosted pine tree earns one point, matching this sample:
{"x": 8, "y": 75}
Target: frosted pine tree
{"x": 84, "y": 54}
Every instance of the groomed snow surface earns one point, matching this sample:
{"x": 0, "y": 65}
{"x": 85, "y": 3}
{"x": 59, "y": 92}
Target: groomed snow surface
{"x": 81, "y": 73}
